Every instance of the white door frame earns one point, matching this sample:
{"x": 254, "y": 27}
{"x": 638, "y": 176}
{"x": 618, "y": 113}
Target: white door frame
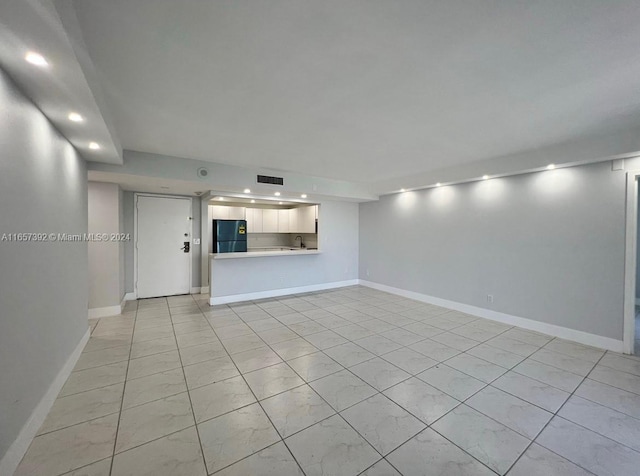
{"x": 630, "y": 256}
{"x": 135, "y": 235}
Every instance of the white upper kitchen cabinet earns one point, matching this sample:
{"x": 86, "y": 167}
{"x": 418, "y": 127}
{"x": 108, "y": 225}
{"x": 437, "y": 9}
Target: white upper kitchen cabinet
{"x": 269, "y": 220}
{"x": 222, "y": 212}
{"x": 237, "y": 213}
{"x": 219, "y": 212}
{"x": 306, "y": 220}
{"x": 283, "y": 221}
{"x": 294, "y": 226}
{"x": 254, "y": 220}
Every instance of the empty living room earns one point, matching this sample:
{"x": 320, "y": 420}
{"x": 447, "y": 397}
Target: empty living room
{"x": 329, "y": 238}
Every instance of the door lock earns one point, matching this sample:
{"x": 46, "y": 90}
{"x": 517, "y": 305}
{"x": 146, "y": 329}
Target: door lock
{"x": 185, "y": 248}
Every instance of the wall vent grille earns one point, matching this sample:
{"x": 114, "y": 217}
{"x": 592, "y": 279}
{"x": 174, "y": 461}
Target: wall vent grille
{"x": 270, "y": 180}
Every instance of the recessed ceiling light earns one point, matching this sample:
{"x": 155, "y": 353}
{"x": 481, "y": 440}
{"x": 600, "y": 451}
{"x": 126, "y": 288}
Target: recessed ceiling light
{"x": 485, "y": 177}
{"x": 253, "y": 201}
{"x": 75, "y": 117}
{"x": 277, "y": 194}
{"x": 279, "y": 203}
{"x": 304, "y": 195}
{"x": 551, "y": 166}
{"x": 94, "y": 145}
{"x": 246, "y": 190}
{"x": 402, "y": 190}
{"x": 35, "y": 58}
{"x": 220, "y": 198}
{"x": 438, "y": 184}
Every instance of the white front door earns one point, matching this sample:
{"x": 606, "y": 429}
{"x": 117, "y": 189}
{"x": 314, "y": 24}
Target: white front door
{"x": 163, "y": 228}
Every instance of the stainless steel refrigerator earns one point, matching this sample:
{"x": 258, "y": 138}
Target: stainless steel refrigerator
{"x": 229, "y": 236}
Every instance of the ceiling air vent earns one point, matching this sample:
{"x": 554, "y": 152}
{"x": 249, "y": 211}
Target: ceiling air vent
{"x": 270, "y": 180}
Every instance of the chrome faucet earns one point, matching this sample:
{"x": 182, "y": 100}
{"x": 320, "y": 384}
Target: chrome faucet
{"x": 301, "y": 243}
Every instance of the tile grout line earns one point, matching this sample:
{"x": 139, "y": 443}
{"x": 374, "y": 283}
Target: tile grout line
{"x": 531, "y": 441}
{"x": 306, "y": 383}
{"x": 338, "y": 412}
{"x": 217, "y": 471}
{"x": 614, "y": 386}
{"x": 462, "y": 402}
{"x": 594, "y": 431}
{"x": 184, "y": 376}
{"x": 124, "y": 388}
{"x": 607, "y": 406}
{"x": 150, "y": 441}
{"x": 429, "y": 426}
{"x": 258, "y": 402}
{"x": 380, "y": 392}
{"x": 141, "y": 404}
{"x": 554, "y": 415}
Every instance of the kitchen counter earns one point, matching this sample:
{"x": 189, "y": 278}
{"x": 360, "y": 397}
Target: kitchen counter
{"x": 265, "y": 253}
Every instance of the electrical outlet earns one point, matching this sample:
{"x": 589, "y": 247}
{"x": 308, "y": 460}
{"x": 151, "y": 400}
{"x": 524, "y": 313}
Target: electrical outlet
{"x": 489, "y": 297}
{"x": 196, "y": 241}
{"x": 368, "y": 272}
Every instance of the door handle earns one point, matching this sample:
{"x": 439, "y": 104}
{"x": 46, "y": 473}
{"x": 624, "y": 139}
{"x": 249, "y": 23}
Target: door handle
{"x": 185, "y": 248}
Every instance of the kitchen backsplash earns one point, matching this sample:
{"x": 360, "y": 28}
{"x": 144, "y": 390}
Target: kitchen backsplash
{"x": 261, "y": 240}
{"x": 309, "y": 240}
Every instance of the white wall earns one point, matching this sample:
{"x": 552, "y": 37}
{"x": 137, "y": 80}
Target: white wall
{"x": 128, "y": 227}
{"x": 195, "y": 249}
{"x": 638, "y": 253}
{"x": 121, "y": 244}
{"x": 106, "y": 286}
{"x": 43, "y": 286}
{"x": 548, "y": 246}
{"x": 338, "y": 242}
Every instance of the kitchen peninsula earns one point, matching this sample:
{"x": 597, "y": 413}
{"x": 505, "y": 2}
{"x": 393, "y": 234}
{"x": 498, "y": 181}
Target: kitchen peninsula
{"x": 262, "y": 253}
{"x": 280, "y": 240}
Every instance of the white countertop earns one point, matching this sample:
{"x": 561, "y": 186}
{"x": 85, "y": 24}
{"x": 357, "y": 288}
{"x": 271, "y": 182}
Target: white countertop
{"x": 262, "y": 254}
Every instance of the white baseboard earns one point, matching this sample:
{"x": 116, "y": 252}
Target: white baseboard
{"x": 280, "y": 292}
{"x": 130, "y": 296}
{"x": 195, "y": 290}
{"x": 549, "y": 329}
{"x": 97, "y": 312}
{"x": 19, "y": 447}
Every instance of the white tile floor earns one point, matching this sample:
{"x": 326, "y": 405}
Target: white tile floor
{"x": 344, "y": 382}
